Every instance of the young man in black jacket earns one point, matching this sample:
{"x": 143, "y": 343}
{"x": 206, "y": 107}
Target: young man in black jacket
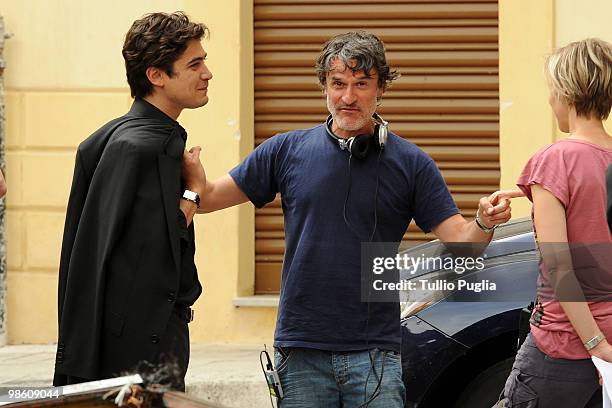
{"x": 127, "y": 277}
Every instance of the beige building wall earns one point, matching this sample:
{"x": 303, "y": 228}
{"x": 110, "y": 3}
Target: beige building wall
{"x": 526, "y": 36}
{"x": 65, "y": 78}
{"x": 577, "y": 20}
{"x": 225, "y": 240}
{"x": 529, "y": 31}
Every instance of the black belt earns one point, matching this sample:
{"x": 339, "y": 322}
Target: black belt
{"x": 184, "y": 313}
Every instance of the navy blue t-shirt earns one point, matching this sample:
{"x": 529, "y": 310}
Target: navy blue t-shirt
{"x": 320, "y": 303}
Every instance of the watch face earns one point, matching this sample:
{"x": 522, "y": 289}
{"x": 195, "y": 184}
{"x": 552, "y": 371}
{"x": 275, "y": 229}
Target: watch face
{"x": 190, "y": 195}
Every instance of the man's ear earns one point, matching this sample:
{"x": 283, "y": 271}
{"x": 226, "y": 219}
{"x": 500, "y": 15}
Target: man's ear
{"x": 380, "y": 92}
{"x": 156, "y": 76}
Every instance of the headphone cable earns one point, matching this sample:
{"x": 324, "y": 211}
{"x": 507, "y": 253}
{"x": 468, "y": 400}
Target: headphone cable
{"x": 376, "y": 196}
{"x": 348, "y": 192}
{"x": 377, "y": 389}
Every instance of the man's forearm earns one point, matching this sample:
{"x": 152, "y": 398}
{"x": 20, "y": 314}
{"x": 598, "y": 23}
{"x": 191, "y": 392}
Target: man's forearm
{"x": 214, "y": 195}
{"x": 471, "y": 240}
{"x": 492, "y": 210}
{"x": 207, "y": 199}
{"x": 471, "y": 232}
{"x": 221, "y": 193}
{"x": 457, "y": 229}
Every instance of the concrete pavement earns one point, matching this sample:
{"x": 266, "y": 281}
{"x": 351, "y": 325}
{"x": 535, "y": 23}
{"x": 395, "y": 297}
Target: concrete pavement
{"x": 229, "y": 375}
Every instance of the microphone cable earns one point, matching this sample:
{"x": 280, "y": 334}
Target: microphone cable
{"x": 377, "y": 389}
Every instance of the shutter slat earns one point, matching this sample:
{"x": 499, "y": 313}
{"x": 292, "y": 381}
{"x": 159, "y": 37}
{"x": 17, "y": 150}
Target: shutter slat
{"x": 451, "y": 46}
{"x": 389, "y": 12}
{"x": 405, "y": 82}
{"x": 316, "y": 119}
{"x": 454, "y": 133}
{"x": 450, "y": 70}
{"x": 323, "y": 2}
{"x": 401, "y": 106}
{"x": 489, "y": 94}
{"x": 316, "y": 3}
{"x": 397, "y": 58}
{"x": 390, "y": 34}
{"x": 376, "y": 22}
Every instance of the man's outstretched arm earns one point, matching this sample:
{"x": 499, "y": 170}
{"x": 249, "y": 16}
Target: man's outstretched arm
{"x": 221, "y": 193}
{"x": 214, "y": 195}
{"x": 492, "y": 210}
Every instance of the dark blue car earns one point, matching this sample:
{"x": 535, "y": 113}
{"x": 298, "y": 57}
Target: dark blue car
{"x": 458, "y": 346}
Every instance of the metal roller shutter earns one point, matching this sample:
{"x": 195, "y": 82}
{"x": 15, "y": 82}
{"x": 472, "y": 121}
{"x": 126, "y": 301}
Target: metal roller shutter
{"x": 446, "y": 100}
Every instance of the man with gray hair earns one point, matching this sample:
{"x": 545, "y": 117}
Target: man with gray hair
{"x": 346, "y": 181}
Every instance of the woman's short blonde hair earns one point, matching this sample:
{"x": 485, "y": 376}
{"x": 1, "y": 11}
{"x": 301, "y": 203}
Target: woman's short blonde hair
{"x": 581, "y": 75}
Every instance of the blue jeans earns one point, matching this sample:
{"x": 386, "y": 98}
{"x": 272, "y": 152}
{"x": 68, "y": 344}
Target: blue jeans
{"x": 315, "y": 378}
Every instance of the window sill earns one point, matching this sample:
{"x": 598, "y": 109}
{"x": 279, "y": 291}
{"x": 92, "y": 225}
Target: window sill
{"x": 256, "y": 301}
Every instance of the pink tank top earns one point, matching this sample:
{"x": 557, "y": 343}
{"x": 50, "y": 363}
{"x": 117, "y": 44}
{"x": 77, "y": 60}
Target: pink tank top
{"x": 574, "y": 171}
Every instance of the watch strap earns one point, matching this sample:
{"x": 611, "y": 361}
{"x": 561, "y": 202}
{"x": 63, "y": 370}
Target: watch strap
{"x": 481, "y": 225}
{"x": 191, "y": 196}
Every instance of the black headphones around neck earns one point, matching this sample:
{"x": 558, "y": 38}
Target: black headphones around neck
{"x": 359, "y": 146}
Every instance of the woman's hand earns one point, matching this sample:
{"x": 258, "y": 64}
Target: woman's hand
{"x": 603, "y": 351}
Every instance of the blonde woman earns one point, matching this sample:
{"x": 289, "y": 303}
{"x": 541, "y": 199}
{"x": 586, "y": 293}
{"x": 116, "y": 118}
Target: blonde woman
{"x": 566, "y": 183}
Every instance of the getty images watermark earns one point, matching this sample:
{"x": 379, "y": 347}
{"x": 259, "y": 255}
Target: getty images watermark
{"x": 455, "y": 272}
{"x": 505, "y": 271}
{"x": 411, "y": 265}
{"x": 417, "y": 286}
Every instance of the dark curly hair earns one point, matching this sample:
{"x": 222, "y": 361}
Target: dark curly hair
{"x": 360, "y": 51}
{"x": 156, "y": 40}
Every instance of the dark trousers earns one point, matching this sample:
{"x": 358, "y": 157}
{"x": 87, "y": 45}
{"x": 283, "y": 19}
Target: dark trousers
{"x": 173, "y": 358}
{"x": 540, "y": 381}
{"x": 169, "y": 367}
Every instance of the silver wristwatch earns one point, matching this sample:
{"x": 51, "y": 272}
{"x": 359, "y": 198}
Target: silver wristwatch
{"x": 591, "y": 344}
{"x": 191, "y": 196}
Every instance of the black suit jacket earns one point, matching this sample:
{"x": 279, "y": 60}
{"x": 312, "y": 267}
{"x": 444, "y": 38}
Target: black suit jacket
{"x": 120, "y": 261}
